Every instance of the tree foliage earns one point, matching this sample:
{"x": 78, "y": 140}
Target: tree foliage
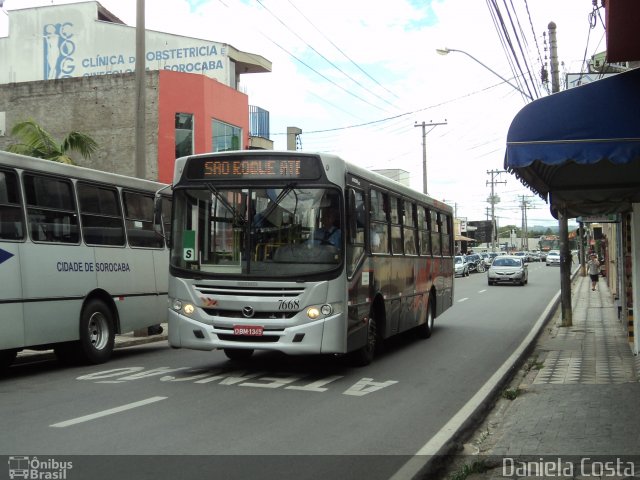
{"x": 34, "y": 141}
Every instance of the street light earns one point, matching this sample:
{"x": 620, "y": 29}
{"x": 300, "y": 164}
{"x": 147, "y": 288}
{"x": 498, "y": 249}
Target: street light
{"x": 446, "y": 51}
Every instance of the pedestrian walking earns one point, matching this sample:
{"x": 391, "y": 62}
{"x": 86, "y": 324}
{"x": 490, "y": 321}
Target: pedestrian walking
{"x": 593, "y": 269}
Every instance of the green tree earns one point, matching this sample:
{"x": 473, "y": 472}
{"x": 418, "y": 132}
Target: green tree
{"x": 34, "y": 141}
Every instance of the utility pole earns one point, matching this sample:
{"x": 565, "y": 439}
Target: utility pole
{"x": 553, "y": 45}
{"x": 525, "y": 230}
{"x": 493, "y": 200}
{"x": 424, "y": 150}
{"x": 141, "y": 155}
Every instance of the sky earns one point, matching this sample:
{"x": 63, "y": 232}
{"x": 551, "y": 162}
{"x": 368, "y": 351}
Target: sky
{"x": 359, "y": 77}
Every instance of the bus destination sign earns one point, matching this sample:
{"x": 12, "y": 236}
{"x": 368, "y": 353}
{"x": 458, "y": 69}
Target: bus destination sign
{"x": 253, "y": 168}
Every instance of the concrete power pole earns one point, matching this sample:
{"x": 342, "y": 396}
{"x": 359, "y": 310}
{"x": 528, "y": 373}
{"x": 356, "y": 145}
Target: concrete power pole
{"x": 553, "y": 45}
{"x": 424, "y": 150}
{"x": 141, "y": 104}
{"x": 493, "y": 200}
{"x": 525, "y": 228}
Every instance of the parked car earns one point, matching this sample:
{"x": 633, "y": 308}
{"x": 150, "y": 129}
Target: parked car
{"x": 508, "y": 269}
{"x": 553, "y": 258}
{"x": 486, "y": 258}
{"x": 476, "y": 263}
{"x": 461, "y": 266}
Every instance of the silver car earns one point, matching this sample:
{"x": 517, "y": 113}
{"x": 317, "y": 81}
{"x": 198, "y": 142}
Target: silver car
{"x": 461, "y": 266}
{"x": 508, "y": 269}
{"x": 553, "y": 258}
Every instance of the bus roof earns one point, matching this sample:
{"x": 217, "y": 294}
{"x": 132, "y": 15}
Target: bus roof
{"x": 48, "y": 166}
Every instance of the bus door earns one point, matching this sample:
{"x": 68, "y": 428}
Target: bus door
{"x": 12, "y": 235}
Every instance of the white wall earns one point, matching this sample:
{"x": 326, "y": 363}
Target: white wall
{"x": 69, "y": 41}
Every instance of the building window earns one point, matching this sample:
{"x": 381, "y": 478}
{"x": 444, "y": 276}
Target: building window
{"x": 184, "y": 134}
{"x": 225, "y": 137}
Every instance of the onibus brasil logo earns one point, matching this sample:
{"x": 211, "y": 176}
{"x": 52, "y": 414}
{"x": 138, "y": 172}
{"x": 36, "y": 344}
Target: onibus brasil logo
{"x": 40, "y": 469}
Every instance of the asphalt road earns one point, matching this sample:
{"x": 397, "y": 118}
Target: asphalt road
{"x": 274, "y": 414}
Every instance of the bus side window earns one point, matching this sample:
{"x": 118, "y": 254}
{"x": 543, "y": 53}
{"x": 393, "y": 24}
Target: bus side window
{"x": 51, "y": 209}
{"x": 139, "y": 220}
{"x": 423, "y": 227}
{"x": 396, "y": 230}
{"x": 378, "y": 228}
{"x": 100, "y": 213}
{"x": 446, "y": 236}
{"x": 11, "y": 220}
{"x": 434, "y": 228}
{"x": 409, "y": 229}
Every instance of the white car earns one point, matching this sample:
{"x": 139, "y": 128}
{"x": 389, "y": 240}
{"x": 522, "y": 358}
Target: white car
{"x": 553, "y": 258}
{"x": 508, "y": 269}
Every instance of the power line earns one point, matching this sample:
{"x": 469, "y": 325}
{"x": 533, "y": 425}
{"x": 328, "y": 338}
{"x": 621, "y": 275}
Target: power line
{"x": 342, "y": 52}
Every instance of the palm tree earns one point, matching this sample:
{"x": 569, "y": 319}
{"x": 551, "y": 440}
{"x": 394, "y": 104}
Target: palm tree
{"x": 37, "y": 142}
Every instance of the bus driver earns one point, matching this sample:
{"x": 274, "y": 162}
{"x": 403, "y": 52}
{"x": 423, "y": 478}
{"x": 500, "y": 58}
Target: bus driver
{"x": 328, "y": 233}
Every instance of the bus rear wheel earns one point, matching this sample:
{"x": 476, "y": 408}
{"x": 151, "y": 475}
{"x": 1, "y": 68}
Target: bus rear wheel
{"x": 97, "y": 332}
{"x": 238, "y": 353}
{"x": 426, "y": 329}
{"x": 97, "y": 337}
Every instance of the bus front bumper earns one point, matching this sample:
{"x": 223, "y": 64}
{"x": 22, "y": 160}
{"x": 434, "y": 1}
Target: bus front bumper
{"x": 324, "y": 335}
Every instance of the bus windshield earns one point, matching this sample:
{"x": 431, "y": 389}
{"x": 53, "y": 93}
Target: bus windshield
{"x": 257, "y": 232}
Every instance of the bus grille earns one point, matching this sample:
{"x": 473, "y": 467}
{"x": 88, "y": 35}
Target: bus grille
{"x": 257, "y": 315}
{"x": 235, "y": 291}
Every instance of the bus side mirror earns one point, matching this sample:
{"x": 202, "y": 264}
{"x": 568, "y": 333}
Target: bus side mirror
{"x": 157, "y": 217}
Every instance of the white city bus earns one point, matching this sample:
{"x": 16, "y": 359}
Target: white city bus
{"x": 80, "y": 258}
{"x": 248, "y": 270}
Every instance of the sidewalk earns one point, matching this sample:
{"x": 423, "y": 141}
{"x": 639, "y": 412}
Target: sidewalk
{"x": 577, "y": 396}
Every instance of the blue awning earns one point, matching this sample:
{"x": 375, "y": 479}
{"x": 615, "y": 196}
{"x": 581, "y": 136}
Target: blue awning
{"x": 580, "y": 149}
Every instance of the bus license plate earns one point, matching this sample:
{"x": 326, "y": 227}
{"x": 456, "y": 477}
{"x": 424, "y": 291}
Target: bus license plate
{"x": 249, "y": 330}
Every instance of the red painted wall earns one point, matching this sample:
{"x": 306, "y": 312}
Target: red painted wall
{"x": 207, "y": 100}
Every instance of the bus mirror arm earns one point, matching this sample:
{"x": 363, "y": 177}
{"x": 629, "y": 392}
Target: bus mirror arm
{"x": 157, "y": 216}
{"x": 353, "y": 218}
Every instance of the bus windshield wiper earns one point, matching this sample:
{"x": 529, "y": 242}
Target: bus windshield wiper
{"x": 285, "y": 191}
{"x": 238, "y": 220}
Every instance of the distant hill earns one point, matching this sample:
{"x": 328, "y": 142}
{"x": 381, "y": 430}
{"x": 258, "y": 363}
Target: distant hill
{"x": 554, "y": 228}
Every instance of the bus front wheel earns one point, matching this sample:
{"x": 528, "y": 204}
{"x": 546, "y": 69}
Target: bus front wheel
{"x": 364, "y": 355}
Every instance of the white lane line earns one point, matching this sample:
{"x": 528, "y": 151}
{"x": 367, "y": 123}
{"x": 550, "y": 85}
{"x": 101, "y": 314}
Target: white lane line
{"x": 463, "y": 299}
{"x": 111, "y": 411}
{"x": 482, "y": 291}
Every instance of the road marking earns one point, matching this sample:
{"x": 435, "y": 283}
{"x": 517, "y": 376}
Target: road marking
{"x": 463, "y": 299}
{"x": 482, "y": 291}
{"x": 104, "y": 413}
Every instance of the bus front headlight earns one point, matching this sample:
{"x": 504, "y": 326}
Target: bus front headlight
{"x": 185, "y": 308}
{"x": 324, "y": 310}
